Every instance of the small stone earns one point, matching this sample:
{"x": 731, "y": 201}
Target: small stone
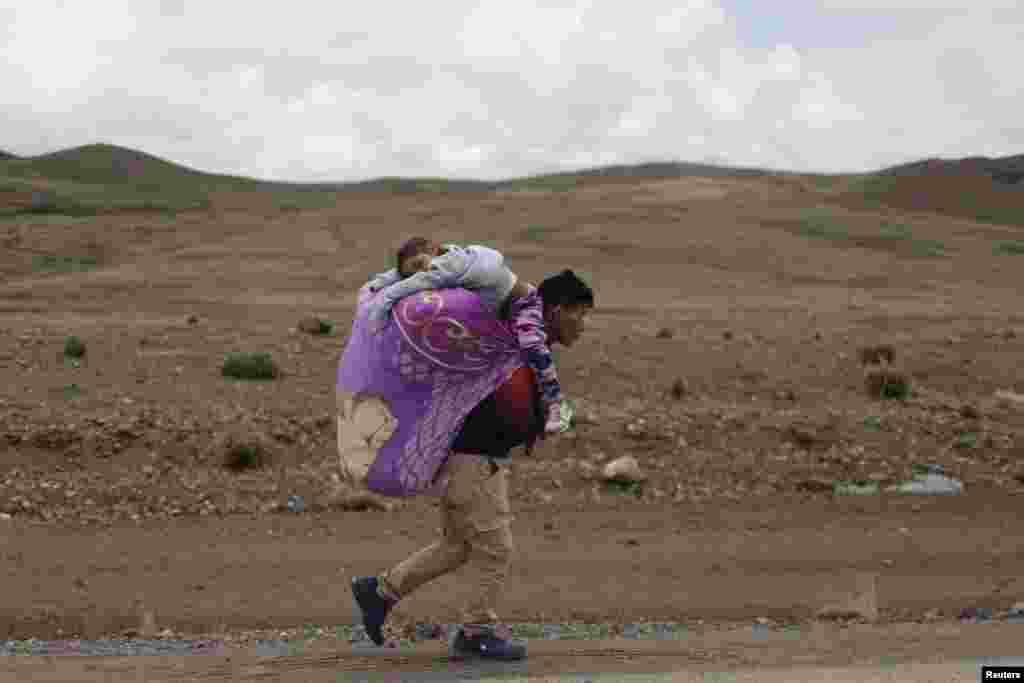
{"x": 815, "y": 486}
{"x": 1010, "y": 397}
{"x": 586, "y": 470}
{"x": 314, "y": 325}
{"x": 665, "y": 333}
{"x": 969, "y": 412}
{"x": 678, "y": 389}
{"x": 624, "y": 469}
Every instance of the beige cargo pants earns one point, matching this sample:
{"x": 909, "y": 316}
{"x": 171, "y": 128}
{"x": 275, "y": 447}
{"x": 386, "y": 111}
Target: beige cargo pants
{"x": 476, "y": 537}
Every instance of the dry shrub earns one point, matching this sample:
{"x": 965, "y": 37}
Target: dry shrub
{"x": 887, "y": 384}
{"x": 877, "y": 355}
{"x": 242, "y": 448}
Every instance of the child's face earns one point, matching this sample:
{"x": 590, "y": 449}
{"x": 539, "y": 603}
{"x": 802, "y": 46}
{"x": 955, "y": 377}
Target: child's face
{"x": 415, "y": 264}
{"x": 419, "y": 262}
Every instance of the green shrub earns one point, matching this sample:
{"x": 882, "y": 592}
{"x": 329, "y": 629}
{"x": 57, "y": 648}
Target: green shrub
{"x": 821, "y": 225}
{"x": 74, "y": 347}
{"x": 243, "y": 457}
{"x": 64, "y": 264}
{"x": 250, "y": 366}
{"x": 534, "y": 233}
{"x": 1010, "y": 249}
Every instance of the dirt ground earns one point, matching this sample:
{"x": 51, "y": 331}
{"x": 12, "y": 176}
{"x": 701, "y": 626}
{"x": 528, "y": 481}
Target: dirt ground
{"x": 115, "y": 501}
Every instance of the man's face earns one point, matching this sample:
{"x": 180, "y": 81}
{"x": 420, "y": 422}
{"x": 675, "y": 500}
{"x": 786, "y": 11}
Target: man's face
{"x": 569, "y": 323}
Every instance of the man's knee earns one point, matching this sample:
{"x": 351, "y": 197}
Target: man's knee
{"x": 495, "y": 544}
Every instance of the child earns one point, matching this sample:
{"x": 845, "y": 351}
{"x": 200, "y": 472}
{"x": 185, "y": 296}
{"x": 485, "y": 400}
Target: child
{"x": 422, "y": 264}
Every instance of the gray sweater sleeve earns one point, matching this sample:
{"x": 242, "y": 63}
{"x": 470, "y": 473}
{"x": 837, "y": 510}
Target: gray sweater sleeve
{"x": 444, "y": 271}
{"x": 487, "y": 274}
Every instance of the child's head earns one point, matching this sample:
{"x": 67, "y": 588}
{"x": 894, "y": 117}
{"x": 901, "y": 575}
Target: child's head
{"x": 414, "y": 256}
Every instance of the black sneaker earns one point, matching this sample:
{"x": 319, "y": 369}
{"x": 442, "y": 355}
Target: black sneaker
{"x": 374, "y": 607}
{"x": 485, "y": 643}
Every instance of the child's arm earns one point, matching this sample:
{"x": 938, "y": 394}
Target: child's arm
{"x": 385, "y": 279}
{"x": 527, "y": 314}
{"x": 444, "y": 271}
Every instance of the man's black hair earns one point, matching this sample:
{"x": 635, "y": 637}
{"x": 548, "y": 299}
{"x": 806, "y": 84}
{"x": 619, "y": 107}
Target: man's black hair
{"x": 566, "y": 289}
{"x": 412, "y": 247}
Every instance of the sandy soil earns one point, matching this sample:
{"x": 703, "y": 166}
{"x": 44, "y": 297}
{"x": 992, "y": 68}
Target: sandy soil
{"x": 115, "y": 501}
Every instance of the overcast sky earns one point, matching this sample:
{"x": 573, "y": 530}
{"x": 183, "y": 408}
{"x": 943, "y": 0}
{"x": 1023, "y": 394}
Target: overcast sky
{"x": 304, "y": 90}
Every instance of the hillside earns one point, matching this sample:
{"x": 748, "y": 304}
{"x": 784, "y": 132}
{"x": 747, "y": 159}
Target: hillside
{"x": 1004, "y": 169}
{"x": 103, "y": 178}
{"x": 977, "y": 188}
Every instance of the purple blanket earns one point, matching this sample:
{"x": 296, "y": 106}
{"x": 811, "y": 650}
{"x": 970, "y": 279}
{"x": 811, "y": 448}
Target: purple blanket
{"x": 435, "y": 359}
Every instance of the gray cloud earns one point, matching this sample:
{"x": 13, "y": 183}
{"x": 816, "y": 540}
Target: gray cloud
{"x": 491, "y": 89}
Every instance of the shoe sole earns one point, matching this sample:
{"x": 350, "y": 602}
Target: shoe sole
{"x": 465, "y": 655}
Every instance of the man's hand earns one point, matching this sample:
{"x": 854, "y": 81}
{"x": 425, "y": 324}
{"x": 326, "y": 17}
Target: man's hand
{"x": 558, "y": 419}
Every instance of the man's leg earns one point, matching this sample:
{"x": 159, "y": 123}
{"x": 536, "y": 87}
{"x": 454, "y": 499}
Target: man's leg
{"x": 490, "y": 555}
{"x": 427, "y": 564}
{"x": 377, "y": 595}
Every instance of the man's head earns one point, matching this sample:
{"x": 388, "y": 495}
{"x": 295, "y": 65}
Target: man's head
{"x": 567, "y": 299}
{"x": 414, "y": 256}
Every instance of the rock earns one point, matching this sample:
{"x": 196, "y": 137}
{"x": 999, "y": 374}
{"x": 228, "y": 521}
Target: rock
{"x": 850, "y": 596}
{"x": 1010, "y": 397}
{"x": 930, "y": 484}
{"x": 637, "y": 430}
{"x": 192, "y": 319}
{"x": 586, "y": 470}
{"x": 665, "y": 333}
{"x": 678, "y": 389}
{"x": 969, "y": 412}
{"x": 814, "y": 486}
{"x": 625, "y": 469}
{"x": 728, "y": 334}
{"x": 877, "y": 355}
{"x": 804, "y": 437}
{"x": 314, "y": 325}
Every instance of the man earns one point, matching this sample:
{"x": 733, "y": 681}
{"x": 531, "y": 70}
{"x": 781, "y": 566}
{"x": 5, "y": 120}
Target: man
{"x": 475, "y": 511}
